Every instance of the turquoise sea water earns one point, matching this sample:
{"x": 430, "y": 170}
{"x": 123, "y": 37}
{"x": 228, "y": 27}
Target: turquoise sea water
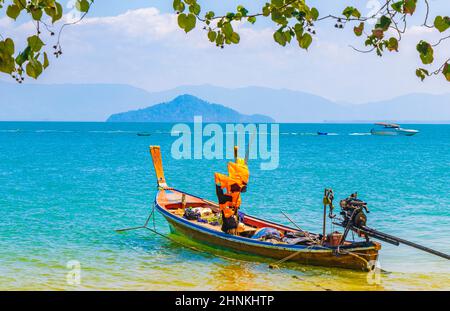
{"x": 65, "y": 187}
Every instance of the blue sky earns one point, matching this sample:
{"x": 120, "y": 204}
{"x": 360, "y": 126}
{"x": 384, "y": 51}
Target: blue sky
{"x": 137, "y": 42}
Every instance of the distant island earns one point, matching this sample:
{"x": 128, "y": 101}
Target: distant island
{"x": 183, "y": 109}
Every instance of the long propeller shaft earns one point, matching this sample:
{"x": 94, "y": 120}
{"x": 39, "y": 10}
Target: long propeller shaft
{"x": 396, "y": 241}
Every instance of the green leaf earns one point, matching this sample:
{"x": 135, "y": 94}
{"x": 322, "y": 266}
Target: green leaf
{"x": 278, "y": 17}
{"x": 219, "y": 39}
{"x": 23, "y": 56}
{"x": 194, "y": 9}
{"x": 446, "y": 71}
{"x": 314, "y": 13}
{"x": 266, "y": 10}
{"x": 46, "y": 63}
{"x": 13, "y": 11}
{"x": 287, "y": 35}
{"x": 348, "y": 11}
{"x": 252, "y": 19}
{"x": 242, "y": 10}
{"x": 230, "y": 15}
{"x": 398, "y": 6}
{"x": 6, "y": 63}
{"x": 212, "y": 35}
{"x": 34, "y": 68}
{"x": 182, "y": 20}
{"x": 359, "y": 30}
{"x": 409, "y": 6}
{"x": 190, "y": 22}
{"x": 82, "y": 5}
{"x": 9, "y": 46}
{"x": 442, "y": 23}
{"x": 178, "y": 6}
{"x": 50, "y": 11}
{"x": 298, "y": 29}
{"x": 59, "y": 11}
{"x": 55, "y": 12}
{"x": 35, "y": 43}
{"x": 289, "y": 12}
{"x": 235, "y": 38}
{"x": 392, "y": 44}
{"x": 278, "y": 36}
{"x": 426, "y": 52}
{"x": 383, "y": 23}
{"x": 305, "y": 41}
{"x": 422, "y": 73}
{"x": 227, "y": 30}
{"x": 351, "y": 11}
{"x": 277, "y": 3}
{"x": 356, "y": 13}
{"x": 36, "y": 14}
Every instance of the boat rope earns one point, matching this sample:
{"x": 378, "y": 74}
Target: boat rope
{"x": 141, "y": 227}
{"x": 359, "y": 256}
{"x": 228, "y": 258}
{"x": 153, "y": 230}
{"x": 345, "y": 252}
{"x": 313, "y": 283}
{"x": 195, "y": 248}
{"x": 338, "y": 251}
{"x": 307, "y": 249}
{"x": 152, "y": 216}
{"x": 275, "y": 265}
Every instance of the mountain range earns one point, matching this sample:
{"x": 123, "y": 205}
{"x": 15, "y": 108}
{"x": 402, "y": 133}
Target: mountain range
{"x": 97, "y": 102}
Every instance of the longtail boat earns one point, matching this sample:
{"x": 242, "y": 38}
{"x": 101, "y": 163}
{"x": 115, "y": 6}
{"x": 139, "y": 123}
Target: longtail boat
{"x": 309, "y": 249}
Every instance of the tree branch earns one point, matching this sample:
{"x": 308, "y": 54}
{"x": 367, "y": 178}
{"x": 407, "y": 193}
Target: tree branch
{"x": 362, "y": 51}
{"x": 426, "y": 15}
{"x": 440, "y": 40}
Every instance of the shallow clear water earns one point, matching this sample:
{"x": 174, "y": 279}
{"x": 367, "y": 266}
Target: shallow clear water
{"x": 65, "y": 187}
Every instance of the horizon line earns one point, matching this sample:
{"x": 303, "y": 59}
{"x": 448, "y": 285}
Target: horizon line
{"x": 424, "y": 122}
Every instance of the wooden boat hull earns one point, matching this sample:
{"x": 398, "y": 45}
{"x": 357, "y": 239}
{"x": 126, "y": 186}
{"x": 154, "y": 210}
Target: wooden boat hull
{"x": 356, "y": 258}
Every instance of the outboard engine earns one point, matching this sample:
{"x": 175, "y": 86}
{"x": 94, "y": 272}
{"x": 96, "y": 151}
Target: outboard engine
{"x": 354, "y": 218}
{"x": 352, "y": 210}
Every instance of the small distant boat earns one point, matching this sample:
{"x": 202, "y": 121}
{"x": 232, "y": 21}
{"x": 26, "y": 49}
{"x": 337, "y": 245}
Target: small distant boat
{"x": 143, "y": 134}
{"x": 391, "y": 129}
{"x": 322, "y": 133}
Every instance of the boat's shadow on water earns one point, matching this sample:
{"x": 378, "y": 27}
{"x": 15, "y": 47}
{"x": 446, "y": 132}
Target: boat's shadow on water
{"x": 212, "y": 268}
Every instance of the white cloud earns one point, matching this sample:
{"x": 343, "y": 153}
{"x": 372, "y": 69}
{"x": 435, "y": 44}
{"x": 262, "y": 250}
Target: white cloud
{"x": 5, "y": 22}
{"x": 145, "y": 24}
{"x": 146, "y": 48}
{"x": 420, "y": 30}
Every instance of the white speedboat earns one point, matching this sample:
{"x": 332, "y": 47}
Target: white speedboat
{"x": 389, "y": 129}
